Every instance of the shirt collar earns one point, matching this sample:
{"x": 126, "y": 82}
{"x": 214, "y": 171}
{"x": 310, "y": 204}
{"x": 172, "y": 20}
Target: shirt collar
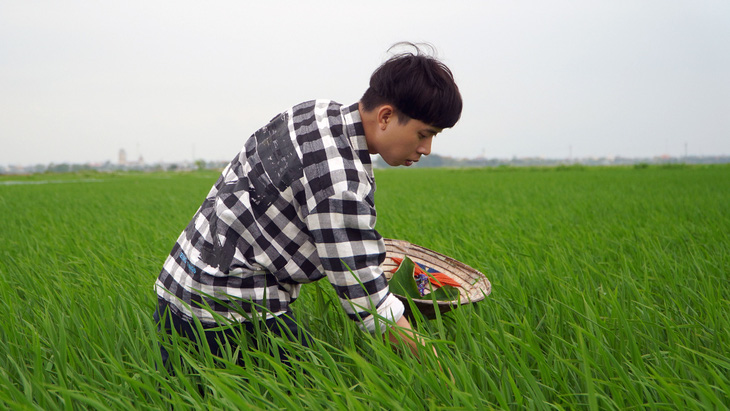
{"x": 356, "y": 133}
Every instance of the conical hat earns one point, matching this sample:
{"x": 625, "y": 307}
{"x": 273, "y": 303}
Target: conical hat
{"x": 474, "y": 285}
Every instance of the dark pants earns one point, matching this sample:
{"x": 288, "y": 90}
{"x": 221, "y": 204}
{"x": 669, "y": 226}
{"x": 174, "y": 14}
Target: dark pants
{"x": 216, "y": 336}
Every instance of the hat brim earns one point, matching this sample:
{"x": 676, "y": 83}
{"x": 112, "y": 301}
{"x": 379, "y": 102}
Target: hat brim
{"x": 474, "y": 285}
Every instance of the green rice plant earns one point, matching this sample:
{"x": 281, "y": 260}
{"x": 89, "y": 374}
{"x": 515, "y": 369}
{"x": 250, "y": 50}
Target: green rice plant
{"x": 610, "y": 291}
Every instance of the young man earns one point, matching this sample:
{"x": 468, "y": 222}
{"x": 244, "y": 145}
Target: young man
{"x": 296, "y": 205}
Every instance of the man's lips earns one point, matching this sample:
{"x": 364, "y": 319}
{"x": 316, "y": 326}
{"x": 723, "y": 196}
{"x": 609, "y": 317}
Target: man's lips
{"x": 410, "y": 162}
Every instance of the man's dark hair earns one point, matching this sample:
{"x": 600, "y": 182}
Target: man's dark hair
{"x": 418, "y": 85}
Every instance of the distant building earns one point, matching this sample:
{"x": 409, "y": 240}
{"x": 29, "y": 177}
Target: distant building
{"x": 122, "y": 157}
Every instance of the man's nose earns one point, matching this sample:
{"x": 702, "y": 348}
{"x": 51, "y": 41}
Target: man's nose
{"x": 425, "y": 147}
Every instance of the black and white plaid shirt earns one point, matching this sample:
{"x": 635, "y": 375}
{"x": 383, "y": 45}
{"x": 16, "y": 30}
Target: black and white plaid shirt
{"x": 294, "y": 206}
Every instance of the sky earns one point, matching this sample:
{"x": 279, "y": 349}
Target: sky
{"x": 183, "y": 80}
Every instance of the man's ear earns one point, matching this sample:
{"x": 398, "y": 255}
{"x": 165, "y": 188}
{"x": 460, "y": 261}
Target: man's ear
{"x": 386, "y": 113}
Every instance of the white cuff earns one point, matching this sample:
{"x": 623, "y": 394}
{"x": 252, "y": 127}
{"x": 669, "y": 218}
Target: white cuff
{"x": 392, "y": 309}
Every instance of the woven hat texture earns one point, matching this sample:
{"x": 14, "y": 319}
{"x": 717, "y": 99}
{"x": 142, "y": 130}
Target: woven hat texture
{"x": 474, "y": 285}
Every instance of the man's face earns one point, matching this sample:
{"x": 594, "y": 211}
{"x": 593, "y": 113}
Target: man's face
{"x": 404, "y": 144}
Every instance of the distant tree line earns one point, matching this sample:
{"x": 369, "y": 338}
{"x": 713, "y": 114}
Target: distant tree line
{"x": 433, "y": 160}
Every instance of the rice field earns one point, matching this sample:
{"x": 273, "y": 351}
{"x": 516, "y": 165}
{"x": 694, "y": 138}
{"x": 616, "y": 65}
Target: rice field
{"x": 610, "y": 291}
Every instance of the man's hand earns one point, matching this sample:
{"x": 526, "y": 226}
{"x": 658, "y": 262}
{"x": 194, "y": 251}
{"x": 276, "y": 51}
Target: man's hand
{"x": 403, "y": 331}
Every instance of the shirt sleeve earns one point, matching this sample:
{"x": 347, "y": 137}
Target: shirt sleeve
{"x": 351, "y": 252}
